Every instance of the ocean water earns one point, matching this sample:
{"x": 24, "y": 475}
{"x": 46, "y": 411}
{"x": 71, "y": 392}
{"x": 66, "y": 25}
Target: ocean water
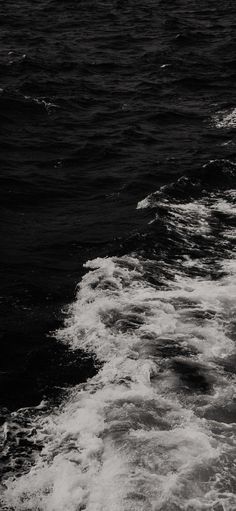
{"x": 118, "y": 299}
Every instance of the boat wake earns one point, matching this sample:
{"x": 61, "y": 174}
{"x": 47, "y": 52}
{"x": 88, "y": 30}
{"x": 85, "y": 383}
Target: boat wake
{"x": 154, "y": 429}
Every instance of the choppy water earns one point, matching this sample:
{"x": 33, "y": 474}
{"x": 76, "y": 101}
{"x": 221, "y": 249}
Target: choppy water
{"x": 120, "y": 155}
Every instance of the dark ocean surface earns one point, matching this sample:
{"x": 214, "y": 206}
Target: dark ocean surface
{"x": 118, "y": 274}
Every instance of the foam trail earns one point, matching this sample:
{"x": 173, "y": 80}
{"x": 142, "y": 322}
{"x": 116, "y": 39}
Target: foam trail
{"x": 153, "y": 430}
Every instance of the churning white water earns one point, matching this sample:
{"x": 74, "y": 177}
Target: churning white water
{"x": 154, "y": 429}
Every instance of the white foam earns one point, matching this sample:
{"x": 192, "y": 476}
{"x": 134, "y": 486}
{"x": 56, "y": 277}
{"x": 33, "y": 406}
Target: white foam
{"x": 135, "y": 437}
{"x": 98, "y": 457}
{"x": 149, "y": 201}
{"x": 41, "y": 101}
{"x": 224, "y": 207}
{"x": 226, "y": 119}
{"x": 184, "y": 218}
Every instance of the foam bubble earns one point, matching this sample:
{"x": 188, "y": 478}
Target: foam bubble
{"x": 226, "y": 119}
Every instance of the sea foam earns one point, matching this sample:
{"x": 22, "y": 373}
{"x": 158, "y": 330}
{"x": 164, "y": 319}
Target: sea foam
{"x": 152, "y": 429}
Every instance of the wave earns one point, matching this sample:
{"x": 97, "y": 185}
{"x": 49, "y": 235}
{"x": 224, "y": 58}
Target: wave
{"x": 154, "y": 429}
{"x": 214, "y": 176}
